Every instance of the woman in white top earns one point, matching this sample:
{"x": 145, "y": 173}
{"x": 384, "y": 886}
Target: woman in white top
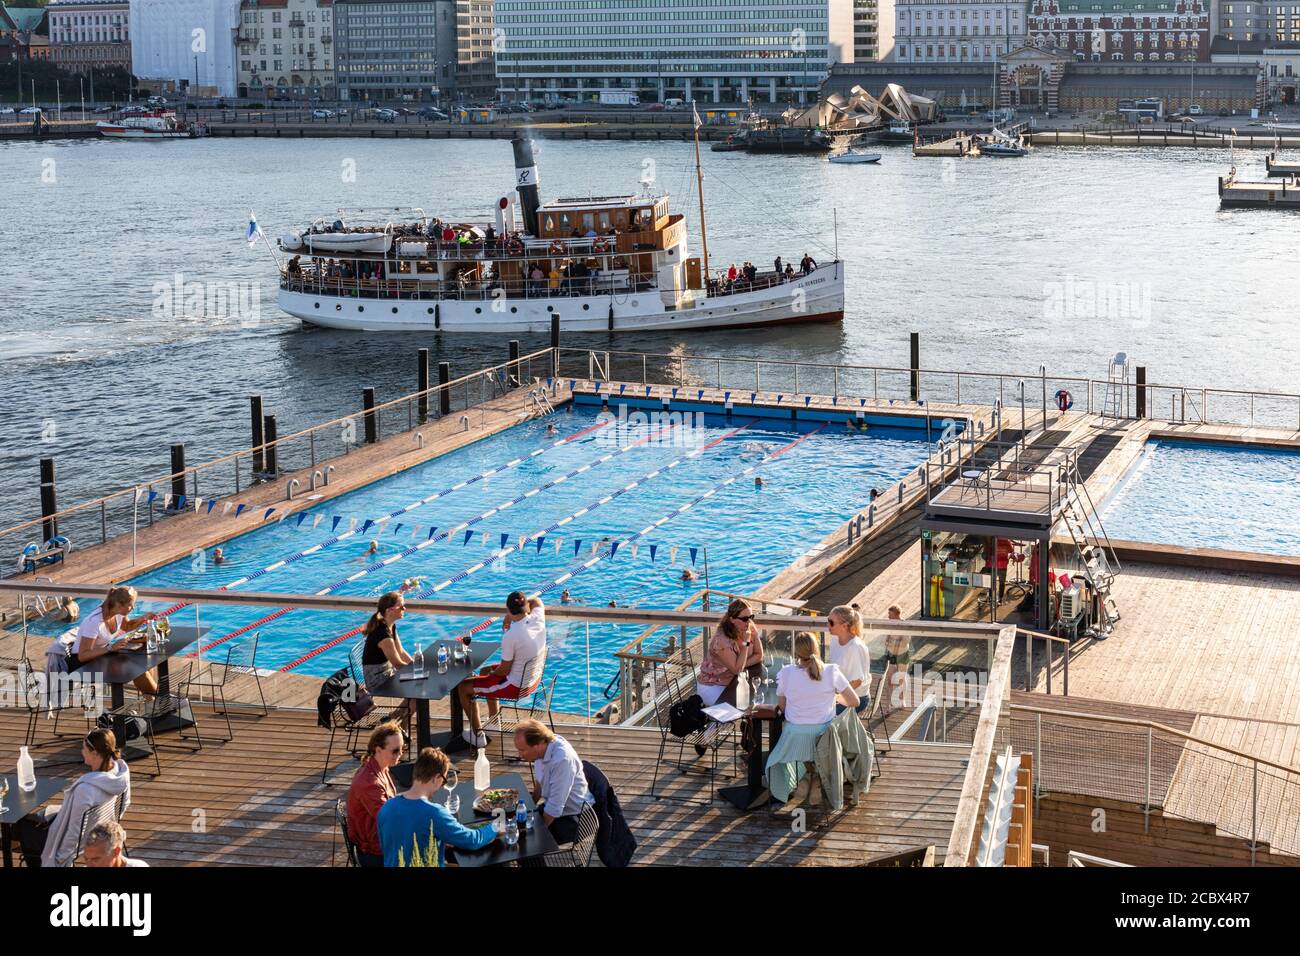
{"x": 806, "y": 693}
{"x": 848, "y": 652}
{"x": 95, "y": 634}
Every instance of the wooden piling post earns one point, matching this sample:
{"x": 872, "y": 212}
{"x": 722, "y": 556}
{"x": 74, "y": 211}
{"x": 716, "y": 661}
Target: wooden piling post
{"x": 368, "y": 405}
{"x": 268, "y": 430}
{"x": 916, "y": 366}
{"x": 49, "y": 499}
{"x": 555, "y": 343}
{"x": 444, "y": 393}
{"x": 259, "y": 439}
{"x": 178, "y": 473}
{"x": 1141, "y": 391}
{"x": 512, "y": 368}
{"x": 422, "y": 384}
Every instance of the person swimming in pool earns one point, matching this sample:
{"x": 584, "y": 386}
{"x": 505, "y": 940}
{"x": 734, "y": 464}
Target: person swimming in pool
{"x": 758, "y": 481}
{"x": 688, "y": 574}
{"x": 371, "y": 550}
{"x": 218, "y": 556}
{"x": 550, "y": 429}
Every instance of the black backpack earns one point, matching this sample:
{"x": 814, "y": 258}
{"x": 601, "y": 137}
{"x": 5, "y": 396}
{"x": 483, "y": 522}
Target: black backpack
{"x": 687, "y": 716}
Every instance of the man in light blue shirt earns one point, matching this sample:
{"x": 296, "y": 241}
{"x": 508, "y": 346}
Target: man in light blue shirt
{"x": 561, "y": 784}
{"x": 410, "y": 823}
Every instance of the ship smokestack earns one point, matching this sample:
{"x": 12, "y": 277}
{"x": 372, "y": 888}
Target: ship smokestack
{"x": 526, "y": 181}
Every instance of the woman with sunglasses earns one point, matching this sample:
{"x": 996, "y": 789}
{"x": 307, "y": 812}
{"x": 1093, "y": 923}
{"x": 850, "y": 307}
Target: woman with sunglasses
{"x": 733, "y": 649}
{"x": 372, "y": 787}
{"x": 383, "y": 652}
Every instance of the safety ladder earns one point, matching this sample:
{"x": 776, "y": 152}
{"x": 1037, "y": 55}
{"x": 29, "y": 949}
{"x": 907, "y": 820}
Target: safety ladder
{"x": 1096, "y": 553}
{"x": 1116, "y": 387}
{"x": 538, "y": 399}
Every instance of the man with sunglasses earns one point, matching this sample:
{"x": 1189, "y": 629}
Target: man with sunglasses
{"x": 371, "y": 788}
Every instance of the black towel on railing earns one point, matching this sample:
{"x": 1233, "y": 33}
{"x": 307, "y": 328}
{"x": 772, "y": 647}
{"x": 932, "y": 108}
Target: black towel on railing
{"x": 615, "y": 843}
{"x": 331, "y": 692}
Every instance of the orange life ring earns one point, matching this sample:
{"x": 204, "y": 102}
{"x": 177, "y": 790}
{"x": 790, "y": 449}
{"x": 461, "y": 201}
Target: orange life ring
{"x": 601, "y": 244}
{"x": 1064, "y": 400}
{"x": 515, "y": 246}
{"x": 556, "y": 247}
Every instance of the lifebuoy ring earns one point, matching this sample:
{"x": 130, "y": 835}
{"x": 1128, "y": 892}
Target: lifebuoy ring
{"x": 1064, "y": 400}
{"x": 515, "y": 246}
{"x": 556, "y": 248}
{"x": 601, "y": 244}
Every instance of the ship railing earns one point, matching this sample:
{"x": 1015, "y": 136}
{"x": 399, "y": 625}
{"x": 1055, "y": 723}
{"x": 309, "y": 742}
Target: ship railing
{"x": 514, "y": 247}
{"x": 156, "y": 498}
{"x": 617, "y": 283}
{"x": 944, "y": 392}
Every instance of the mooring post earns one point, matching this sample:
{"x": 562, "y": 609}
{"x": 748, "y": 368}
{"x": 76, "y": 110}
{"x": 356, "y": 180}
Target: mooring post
{"x": 49, "y": 499}
{"x": 916, "y": 366}
{"x": 444, "y": 393}
{"x": 178, "y": 473}
{"x": 555, "y": 344}
{"x": 268, "y": 429}
{"x": 512, "y": 369}
{"x": 259, "y": 439}
{"x": 422, "y": 384}
{"x": 1141, "y": 391}
{"x": 368, "y": 404}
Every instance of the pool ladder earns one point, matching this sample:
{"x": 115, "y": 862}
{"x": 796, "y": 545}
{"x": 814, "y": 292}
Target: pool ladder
{"x": 538, "y": 399}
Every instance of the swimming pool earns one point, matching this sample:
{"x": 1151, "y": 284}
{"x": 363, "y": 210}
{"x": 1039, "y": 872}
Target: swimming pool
{"x": 596, "y": 478}
{"x": 1200, "y": 495}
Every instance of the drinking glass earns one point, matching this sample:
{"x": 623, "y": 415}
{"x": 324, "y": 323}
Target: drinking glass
{"x": 449, "y": 784}
{"x": 4, "y": 792}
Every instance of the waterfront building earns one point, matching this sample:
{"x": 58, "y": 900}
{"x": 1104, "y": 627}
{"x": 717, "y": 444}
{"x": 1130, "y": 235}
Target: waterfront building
{"x": 765, "y": 50}
{"x": 22, "y": 33}
{"x": 1249, "y": 20}
{"x": 956, "y": 31}
{"x": 179, "y": 44}
{"x": 1037, "y": 78}
{"x": 394, "y": 50}
{"x": 1277, "y": 60}
{"x": 87, "y": 35}
{"x": 286, "y": 49}
{"x": 476, "y": 37}
{"x": 1134, "y": 31}
{"x": 873, "y": 29}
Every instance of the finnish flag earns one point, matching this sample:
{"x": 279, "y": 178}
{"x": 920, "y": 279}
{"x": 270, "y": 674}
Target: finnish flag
{"x": 254, "y": 230}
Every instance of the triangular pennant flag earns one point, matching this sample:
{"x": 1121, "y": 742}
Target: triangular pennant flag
{"x": 415, "y": 532}
{"x": 726, "y": 396}
{"x": 269, "y": 512}
{"x": 672, "y": 555}
{"x": 778, "y": 399}
{"x": 211, "y": 502}
{"x": 694, "y": 552}
{"x": 572, "y": 383}
{"x": 577, "y": 546}
{"x": 302, "y": 516}
{"x": 139, "y": 493}
{"x": 653, "y": 549}
{"x": 807, "y": 400}
{"x": 647, "y": 391}
{"x": 541, "y": 539}
{"x": 397, "y": 527}
{"x": 613, "y": 549}
{"x": 862, "y": 402}
{"x": 283, "y": 515}
{"x": 633, "y": 549}
{"x": 432, "y": 532}
{"x": 700, "y": 395}
{"x": 622, "y": 387}
{"x": 504, "y": 539}
{"x": 239, "y": 509}
{"x": 366, "y": 527}
{"x": 835, "y": 399}
{"x": 753, "y": 396}
{"x": 315, "y": 521}
{"x": 352, "y": 525}
{"x": 558, "y": 542}
{"x": 483, "y": 538}
{"x": 198, "y": 502}
{"x": 674, "y": 393}
{"x": 167, "y": 501}
{"x": 180, "y": 502}
{"x": 468, "y": 534}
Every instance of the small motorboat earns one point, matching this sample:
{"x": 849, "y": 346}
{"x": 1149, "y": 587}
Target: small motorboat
{"x": 999, "y": 144}
{"x": 853, "y": 156}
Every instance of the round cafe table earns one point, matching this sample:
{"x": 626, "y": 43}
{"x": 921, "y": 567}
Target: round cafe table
{"x": 761, "y": 714}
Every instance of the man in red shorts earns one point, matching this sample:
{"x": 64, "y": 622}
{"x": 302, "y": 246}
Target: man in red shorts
{"x": 523, "y": 639}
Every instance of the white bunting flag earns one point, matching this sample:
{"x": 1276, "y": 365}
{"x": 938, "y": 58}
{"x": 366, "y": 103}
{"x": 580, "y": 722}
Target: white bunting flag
{"x": 352, "y": 524}
{"x": 558, "y": 542}
{"x": 197, "y": 501}
{"x": 415, "y": 531}
{"x": 672, "y": 556}
{"x": 632, "y": 548}
{"x": 595, "y": 546}
{"x": 315, "y": 521}
{"x": 226, "y": 510}
{"x": 167, "y": 501}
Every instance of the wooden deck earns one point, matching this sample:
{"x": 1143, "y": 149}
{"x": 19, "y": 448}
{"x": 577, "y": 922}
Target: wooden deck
{"x": 258, "y": 801}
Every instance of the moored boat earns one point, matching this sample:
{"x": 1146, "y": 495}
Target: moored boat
{"x": 157, "y": 124}
{"x": 853, "y": 156}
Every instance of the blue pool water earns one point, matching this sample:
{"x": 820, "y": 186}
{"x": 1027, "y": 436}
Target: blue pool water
{"x": 750, "y": 533}
{"x": 1211, "y": 496}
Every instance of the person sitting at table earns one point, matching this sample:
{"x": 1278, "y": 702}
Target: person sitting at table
{"x": 524, "y": 638}
{"x": 383, "y": 652}
{"x": 108, "y": 621}
{"x": 806, "y": 693}
{"x": 561, "y": 789}
{"x": 410, "y": 821}
{"x": 848, "y": 651}
{"x": 733, "y": 649}
{"x": 106, "y": 847}
{"x": 49, "y": 836}
{"x": 371, "y": 788}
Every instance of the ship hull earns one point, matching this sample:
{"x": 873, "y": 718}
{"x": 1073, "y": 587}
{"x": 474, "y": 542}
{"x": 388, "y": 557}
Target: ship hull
{"x": 816, "y": 297}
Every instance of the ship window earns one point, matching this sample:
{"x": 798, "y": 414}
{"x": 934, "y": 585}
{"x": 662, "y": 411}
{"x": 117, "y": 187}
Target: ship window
{"x": 394, "y": 310}
{"x": 585, "y": 307}
{"x": 564, "y": 220}
{"x": 338, "y": 308}
{"x": 588, "y": 221}
{"x": 604, "y": 220}
{"x": 430, "y": 311}
{"x": 361, "y": 308}
{"x": 513, "y": 308}
{"x": 478, "y": 311}
{"x": 550, "y": 223}
{"x": 318, "y": 305}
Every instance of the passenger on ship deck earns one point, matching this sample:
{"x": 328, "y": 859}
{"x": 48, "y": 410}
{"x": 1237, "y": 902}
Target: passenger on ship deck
{"x": 295, "y": 268}
{"x": 732, "y": 273}
{"x": 789, "y": 272}
{"x": 776, "y": 265}
{"x": 807, "y": 264}
{"x": 538, "y": 280}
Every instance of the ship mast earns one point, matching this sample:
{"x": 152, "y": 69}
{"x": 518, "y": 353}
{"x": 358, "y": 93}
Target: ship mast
{"x": 699, "y": 184}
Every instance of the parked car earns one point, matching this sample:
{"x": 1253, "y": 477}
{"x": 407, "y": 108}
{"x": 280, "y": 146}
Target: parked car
{"x": 655, "y": 108}
{"x": 385, "y": 115}
{"x": 1225, "y": 112}
{"x": 30, "y": 111}
{"x": 6, "y": 110}
{"x": 430, "y": 113}
{"x": 1194, "y": 110}
{"x": 322, "y": 114}
{"x": 100, "y": 109}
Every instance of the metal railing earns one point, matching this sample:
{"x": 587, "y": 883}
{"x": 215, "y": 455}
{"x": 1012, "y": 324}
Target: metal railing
{"x": 119, "y": 512}
{"x": 1162, "y": 768}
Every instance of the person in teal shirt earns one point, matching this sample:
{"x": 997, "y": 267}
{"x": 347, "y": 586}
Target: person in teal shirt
{"x": 411, "y": 818}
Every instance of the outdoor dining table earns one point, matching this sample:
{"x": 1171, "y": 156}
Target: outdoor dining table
{"x": 17, "y": 804}
{"x": 435, "y": 686}
{"x": 119, "y": 668}
{"x": 762, "y": 712}
{"x": 533, "y": 843}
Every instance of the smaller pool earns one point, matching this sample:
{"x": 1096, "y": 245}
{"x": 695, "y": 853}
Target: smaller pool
{"x": 1200, "y": 495}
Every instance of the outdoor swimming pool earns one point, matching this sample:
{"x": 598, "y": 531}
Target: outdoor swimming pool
{"x": 596, "y": 478}
{"x": 1210, "y": 496}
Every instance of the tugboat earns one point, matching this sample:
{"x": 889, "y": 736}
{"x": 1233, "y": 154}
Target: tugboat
{"x": 599, "y": 263}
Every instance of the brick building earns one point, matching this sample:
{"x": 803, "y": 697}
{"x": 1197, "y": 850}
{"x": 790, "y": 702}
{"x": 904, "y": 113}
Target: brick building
{"x": 1128, "y": 31}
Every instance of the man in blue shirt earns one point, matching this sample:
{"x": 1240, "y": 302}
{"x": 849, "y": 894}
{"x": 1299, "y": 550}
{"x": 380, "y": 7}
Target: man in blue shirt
{"x": 561, "y": 784}
{"x": 411, "y": 819}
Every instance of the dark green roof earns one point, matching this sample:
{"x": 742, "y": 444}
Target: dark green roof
{"x": 25, "y": 18}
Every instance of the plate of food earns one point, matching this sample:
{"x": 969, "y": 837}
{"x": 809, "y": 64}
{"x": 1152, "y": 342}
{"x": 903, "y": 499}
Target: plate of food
{"x": 498, "y": 798}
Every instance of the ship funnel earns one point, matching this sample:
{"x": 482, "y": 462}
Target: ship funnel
{"x": 526, "y": 181}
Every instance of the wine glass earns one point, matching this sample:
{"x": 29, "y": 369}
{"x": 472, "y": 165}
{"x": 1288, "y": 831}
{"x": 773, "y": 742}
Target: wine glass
{"x": 4, "y": 792}
{"x": 449, "y": 784}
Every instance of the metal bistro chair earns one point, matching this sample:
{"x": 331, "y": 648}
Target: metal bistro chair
{"x": 578, "y": 853}
{"x": 873, "y": 713}
{"x": 110, "y": 810}
{"x": 354, "y": 729}
{"x": 27, "y": 685}
{"x": 528, "y": 706}
{"x": 159, "y": 707}
{"x": 238, "y": 659}
{"x": 341, "y": 818}
{"x": 669, "y": 687}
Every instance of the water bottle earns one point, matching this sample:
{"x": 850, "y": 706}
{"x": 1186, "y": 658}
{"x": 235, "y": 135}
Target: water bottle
{"x": 522, "y": 820}
{"x": 482, "y": 771}
{"x": 512, "y": 832}
{"x": 26, "y": 771}
{"x": 419, "y": 662}
{"x": 442, "y": 658}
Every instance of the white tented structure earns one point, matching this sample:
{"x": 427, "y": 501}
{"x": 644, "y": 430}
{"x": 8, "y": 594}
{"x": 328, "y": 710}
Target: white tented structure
{"x": 194, "y": 40}
{"x": 861, "y": 110}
